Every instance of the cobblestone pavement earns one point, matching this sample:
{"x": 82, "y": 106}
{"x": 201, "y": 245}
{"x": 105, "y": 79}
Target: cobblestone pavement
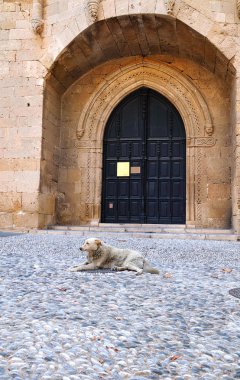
{"x": 60, "y": 325}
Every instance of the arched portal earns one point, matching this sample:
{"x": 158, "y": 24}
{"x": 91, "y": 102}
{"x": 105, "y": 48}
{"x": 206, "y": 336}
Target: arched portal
{"x": 90, "y": 78}
{"x": 144, "y": 161}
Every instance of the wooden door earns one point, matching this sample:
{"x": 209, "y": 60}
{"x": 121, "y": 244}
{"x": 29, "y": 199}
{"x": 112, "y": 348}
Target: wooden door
{"x": 144, "y": 162}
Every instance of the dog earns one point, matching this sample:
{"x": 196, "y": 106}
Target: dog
{"x": 102, "y": 256}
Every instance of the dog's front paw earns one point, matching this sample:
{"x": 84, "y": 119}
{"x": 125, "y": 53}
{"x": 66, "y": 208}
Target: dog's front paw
{"x": 76, "y": 268}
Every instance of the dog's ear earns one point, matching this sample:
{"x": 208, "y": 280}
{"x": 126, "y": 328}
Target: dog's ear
{"x": 98, "y": 242}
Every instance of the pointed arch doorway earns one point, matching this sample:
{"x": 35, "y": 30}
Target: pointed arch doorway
{"x": 144, "y": 162}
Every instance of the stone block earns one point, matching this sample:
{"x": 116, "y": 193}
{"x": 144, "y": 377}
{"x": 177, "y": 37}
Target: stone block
{"x": 7, "y": 56}
{"x": 65, "y": 37}
{"x": 47, "y": 203}
{"x": 22, "y": 24}
{"x": 73, "y": 175}
{"x": 218, "y": 170}
{"x": 121, "y": 7}
{"x": 34, "y": 69}
{"x": 8, "y": 24}
{"x": 219, "y": 191}
{"x": 27, "y": 181}
{"x": 52, "y": 8}
{"x": 25, "y": 220}
{"x": 4, "y": 69}
{"x": 134, "y": 7}
{"x": 150, "y": 5}
{"x": 10, "y": 202}
{"x": 30, "y": 202}
{"x": 19, "y": 164}
{"x": 219, "y": 209}
{"x": 220, "y": 17}
{"x": 8, "y": 183}
{"x": 20, "y": 34}
{"x": 160, "y": 7}
{"x": 9, "y": 7}
{"x": 11, "y": 45}
{"x": 6, "y": 220}
{"x": 27, "y": 55}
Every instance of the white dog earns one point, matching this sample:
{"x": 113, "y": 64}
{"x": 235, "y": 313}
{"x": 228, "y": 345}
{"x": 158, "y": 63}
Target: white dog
{"x": 100, "y": 255}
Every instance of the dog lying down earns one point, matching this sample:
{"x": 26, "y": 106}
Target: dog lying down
{"x": 102, "y": 256}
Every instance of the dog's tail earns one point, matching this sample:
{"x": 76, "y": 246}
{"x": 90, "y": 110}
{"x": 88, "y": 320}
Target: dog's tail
{"x": 149, "y": 269}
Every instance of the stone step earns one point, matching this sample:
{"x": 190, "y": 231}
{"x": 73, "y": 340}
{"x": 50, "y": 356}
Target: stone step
{"x": 151, "y": 228}
{"x": 125, "y": 231}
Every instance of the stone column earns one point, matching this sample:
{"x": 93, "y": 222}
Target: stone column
{"x": 37, "y": 16}
{"x": 236, "y": 168}
{"x": 238, "y": 7}
{"x": 93, "y": 6}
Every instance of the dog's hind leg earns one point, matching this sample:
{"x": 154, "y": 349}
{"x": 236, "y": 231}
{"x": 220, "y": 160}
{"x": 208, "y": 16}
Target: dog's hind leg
{"x": 131, "y": 267}
{"x": 134, "y": 268}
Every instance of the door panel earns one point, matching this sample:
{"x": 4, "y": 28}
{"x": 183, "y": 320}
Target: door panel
{"x": 111, "y": 189}
{"x": 136, "y": 189}
{"x": 123, "y": 189}
{"x": 123, "y": 209}
{"x": 146, "y": 131}
{"x": 152, "y": 169}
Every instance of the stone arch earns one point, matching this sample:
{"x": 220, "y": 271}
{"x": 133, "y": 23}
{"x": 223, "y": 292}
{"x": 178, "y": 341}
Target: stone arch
{"x": 180, "y": 92}
{"x": 158, "y": 77}
{"x": 195, "y": 26}
{"x": 138, "y": 35}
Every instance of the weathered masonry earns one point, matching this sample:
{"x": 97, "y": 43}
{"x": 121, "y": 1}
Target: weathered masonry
{"x": 120, "y": 111}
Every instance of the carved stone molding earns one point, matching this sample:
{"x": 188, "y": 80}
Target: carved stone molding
{"x": 198, "y": 188}
{"x": 159, "y": 77}
{"x": 37, "y": 16}
{"x": 170, "y": 6}
{"x": 90, "y": 130}
{"x": 93, "y": 6}
{"x": 238, "y": 8}
{"x": 201, "y": 142}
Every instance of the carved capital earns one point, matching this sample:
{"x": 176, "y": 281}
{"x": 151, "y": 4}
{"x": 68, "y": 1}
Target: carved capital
{"x": 209, "y": 129}
{"x": 170, "y": 6}
{"x": 37, "y": 16}
{"x": 79, "y": 133}
{"x": 93, "y": 6}
{"x": 37, "y": 26}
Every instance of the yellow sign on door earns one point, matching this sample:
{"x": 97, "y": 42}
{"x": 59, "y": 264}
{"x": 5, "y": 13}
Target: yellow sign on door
{"x": 123, "y": 169}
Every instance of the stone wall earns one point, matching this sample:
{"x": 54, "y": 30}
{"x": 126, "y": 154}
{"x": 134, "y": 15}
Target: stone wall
{"x": 21, "y": 103}
{"x": 36, "y": 70}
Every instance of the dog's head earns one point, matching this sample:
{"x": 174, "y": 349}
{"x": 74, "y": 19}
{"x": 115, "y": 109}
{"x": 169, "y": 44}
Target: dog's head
{"x": 91, "y": 245}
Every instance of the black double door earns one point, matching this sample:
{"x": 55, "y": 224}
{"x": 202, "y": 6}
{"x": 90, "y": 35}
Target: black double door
{"x": 144, "y": 162}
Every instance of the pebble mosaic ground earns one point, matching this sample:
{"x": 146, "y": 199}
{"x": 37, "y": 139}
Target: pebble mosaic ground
{"x": 59, "y": 325}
